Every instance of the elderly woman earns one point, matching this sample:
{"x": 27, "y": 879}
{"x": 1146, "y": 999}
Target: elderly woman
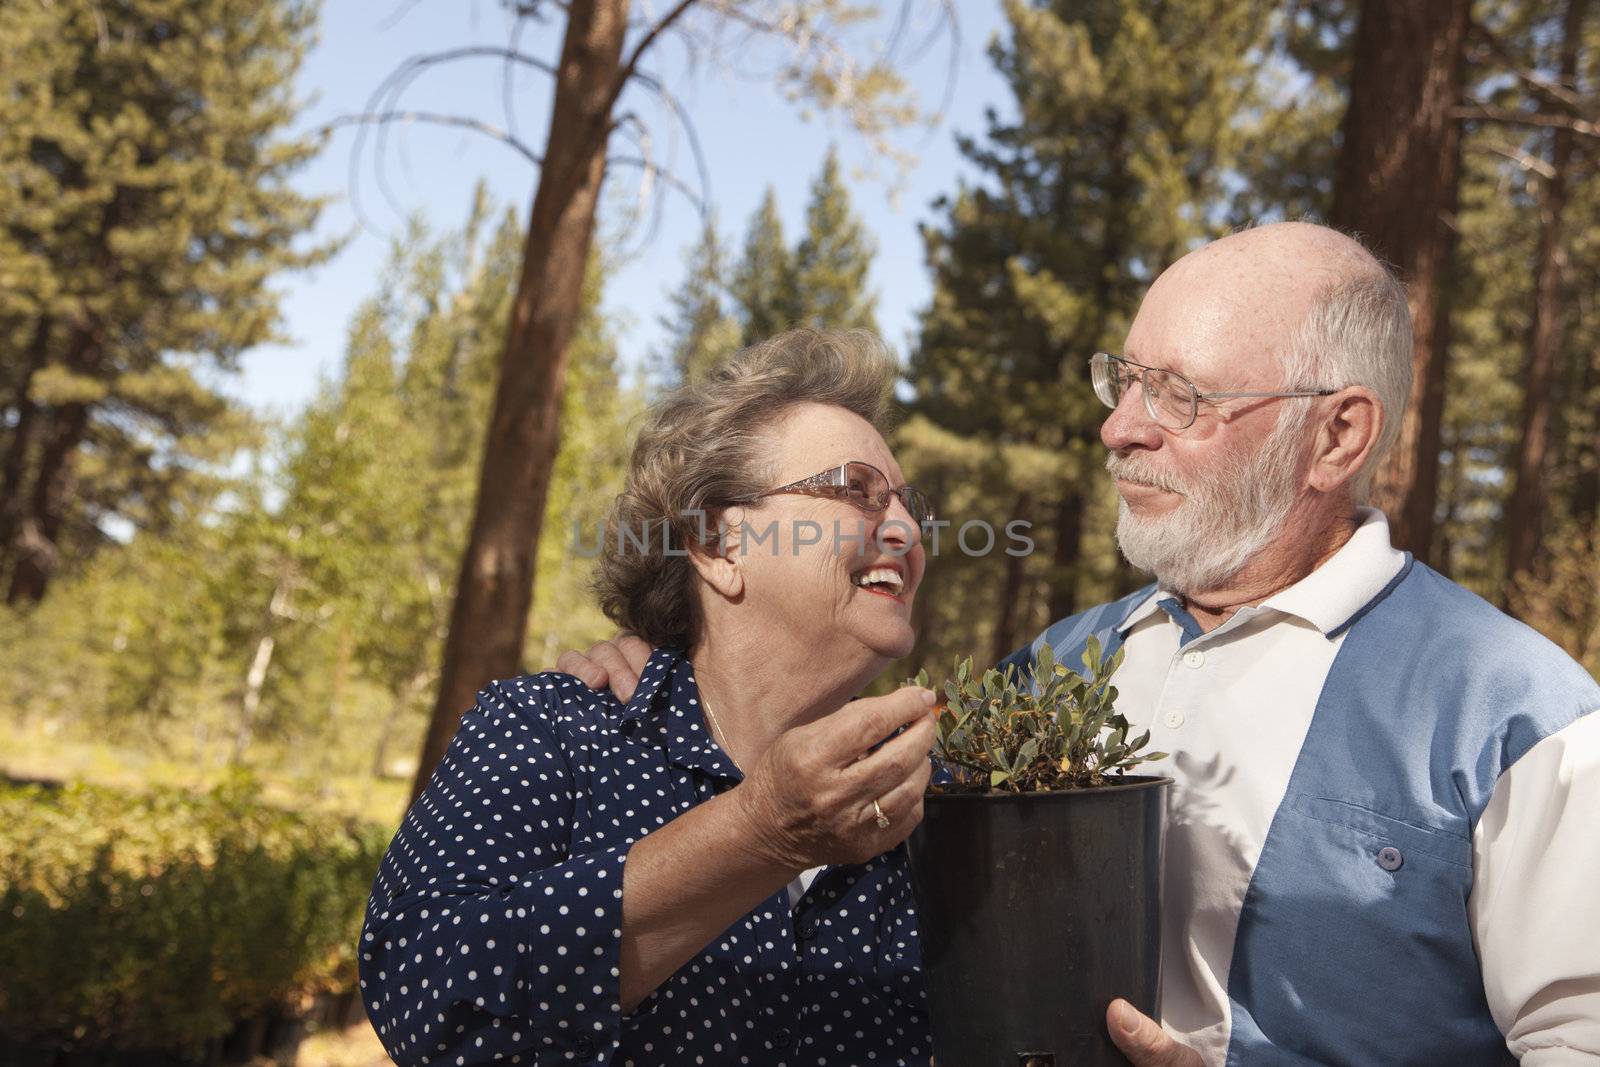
{"x": 712, "y": 873}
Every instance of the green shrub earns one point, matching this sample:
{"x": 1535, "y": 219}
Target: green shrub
{"x": 1057, "y": 730}
{"x": 158, "y": 920}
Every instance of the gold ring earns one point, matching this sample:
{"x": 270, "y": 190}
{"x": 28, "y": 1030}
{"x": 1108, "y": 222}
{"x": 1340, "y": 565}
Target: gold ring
{"x": 883, "y": 820}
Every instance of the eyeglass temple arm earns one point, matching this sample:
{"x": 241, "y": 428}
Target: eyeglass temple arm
{"x": 1239, "y": 396}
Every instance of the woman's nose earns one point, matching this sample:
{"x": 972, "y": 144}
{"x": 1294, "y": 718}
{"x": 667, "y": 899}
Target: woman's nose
{"x": 899, "y": 528}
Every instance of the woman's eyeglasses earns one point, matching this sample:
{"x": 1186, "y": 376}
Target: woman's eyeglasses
{"x": 862, "y": 485}
{"x": 1169, "y": 397}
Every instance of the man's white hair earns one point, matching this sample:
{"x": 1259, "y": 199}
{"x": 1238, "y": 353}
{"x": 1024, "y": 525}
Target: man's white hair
{"x": 1358, "y": 332}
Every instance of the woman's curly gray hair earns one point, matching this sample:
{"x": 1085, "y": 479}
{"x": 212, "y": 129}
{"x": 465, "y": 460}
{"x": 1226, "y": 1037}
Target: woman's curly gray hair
{"x": 704, "y": 446}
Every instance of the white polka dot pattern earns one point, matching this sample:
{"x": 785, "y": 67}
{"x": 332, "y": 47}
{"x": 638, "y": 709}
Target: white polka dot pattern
{"x": 493, "y": 928}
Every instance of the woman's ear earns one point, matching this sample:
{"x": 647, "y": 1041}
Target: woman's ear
{"x": 1346, "y": 439}
{"x": 717, "y": 560}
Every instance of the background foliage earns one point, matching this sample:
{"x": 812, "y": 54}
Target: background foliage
{"x": 193, "y": 588}
{"x": 159, "y": 920}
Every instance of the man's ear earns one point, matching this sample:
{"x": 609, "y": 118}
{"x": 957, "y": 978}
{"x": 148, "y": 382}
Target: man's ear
{"x": 718, "y": 560}
{"x": 1346, "y": 438}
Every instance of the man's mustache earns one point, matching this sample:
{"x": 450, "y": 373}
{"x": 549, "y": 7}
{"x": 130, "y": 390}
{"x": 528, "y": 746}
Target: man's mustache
{"x": 1134, "y": 469}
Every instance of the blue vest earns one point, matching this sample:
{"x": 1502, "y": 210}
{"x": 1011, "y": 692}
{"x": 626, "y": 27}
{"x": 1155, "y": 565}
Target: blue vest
{"x": 1354, "y": 945}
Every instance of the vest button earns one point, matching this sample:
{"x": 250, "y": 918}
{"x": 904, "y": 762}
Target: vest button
{"x": 1389, "y": 858}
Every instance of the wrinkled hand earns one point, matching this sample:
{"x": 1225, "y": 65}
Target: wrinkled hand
{"x": 1142, "y": 1040}
{"x": 617, "y": 662}
{"x": 810, "y": 795}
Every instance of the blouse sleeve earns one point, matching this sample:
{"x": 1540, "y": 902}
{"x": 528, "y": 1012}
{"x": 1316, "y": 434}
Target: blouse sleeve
{"x": 484, "y": 937}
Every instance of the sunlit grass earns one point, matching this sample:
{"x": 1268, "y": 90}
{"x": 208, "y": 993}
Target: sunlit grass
{"x": 48, "y": 751}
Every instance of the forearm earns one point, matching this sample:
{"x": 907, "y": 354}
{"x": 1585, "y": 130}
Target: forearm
{"x": 686, "y": 883}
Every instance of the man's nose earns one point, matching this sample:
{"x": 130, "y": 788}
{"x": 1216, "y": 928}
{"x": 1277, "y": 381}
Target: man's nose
{"x": 1129, "y": 425}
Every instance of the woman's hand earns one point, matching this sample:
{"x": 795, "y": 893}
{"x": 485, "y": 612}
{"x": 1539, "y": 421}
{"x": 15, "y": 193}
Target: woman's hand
{"x": 809, "y": 798}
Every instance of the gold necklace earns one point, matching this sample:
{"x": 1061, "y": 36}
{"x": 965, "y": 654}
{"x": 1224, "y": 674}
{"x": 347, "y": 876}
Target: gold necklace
{"x": 716, "y": 729}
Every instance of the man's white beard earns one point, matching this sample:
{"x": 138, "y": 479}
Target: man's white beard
{"x": 1221, "y": 524}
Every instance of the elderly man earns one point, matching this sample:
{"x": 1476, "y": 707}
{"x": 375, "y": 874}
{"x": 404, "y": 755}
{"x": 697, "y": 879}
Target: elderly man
{"x": 1379, "y": 848}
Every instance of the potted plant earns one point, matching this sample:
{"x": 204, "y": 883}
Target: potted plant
{"x": 1037, "y": 867}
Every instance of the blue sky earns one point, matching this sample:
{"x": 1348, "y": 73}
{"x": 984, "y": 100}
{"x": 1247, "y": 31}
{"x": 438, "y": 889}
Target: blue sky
{"x": 750, "y": 135}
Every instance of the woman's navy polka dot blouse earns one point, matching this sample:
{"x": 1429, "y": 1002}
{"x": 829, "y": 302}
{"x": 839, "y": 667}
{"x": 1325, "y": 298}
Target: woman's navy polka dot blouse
{"x": 493, "y": 929}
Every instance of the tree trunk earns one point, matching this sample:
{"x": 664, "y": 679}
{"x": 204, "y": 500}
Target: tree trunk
{"x": 1526, "y": 511}
{"x": 255, "y": 679}
{"x": 24, "y": 441}
{"x": 1585, "y": 462}
{"x": 35, "y": 548}
{"x": 924, "y": 617}
{"x": 489, "y": 617}
{"x": 1068, "y": 549}
{"x": 1005, "y": 626}
{"x": 1396, "y": 188}
{"x": 1450, "y": 492}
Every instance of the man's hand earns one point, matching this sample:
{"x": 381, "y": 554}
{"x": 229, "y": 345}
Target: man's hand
{"x": 1142, "y": 1040}
{"x": 618, "y": 662}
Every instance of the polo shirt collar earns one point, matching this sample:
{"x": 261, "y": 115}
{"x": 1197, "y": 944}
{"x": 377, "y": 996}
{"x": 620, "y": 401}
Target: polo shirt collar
{"x": 1337, "y": 592}
{"x": 1143, "y": 609}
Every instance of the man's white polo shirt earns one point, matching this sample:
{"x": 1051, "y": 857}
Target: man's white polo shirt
{"x": 1233, "y": 706}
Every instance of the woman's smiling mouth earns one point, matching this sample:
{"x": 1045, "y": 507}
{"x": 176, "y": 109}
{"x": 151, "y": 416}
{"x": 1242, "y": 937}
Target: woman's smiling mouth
{"x": 884, "y": 581}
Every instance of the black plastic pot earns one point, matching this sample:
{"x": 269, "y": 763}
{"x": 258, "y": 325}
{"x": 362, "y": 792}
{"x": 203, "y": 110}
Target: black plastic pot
{"x": 1035, "y": 911}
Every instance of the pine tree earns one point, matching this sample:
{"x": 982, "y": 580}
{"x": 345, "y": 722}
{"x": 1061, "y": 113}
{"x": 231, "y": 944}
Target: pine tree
{"x": 763, "y": 284}
{"x": 1519, "y": 496}
{"x": 146, "y": 213}
{"x": 833, "y": 258}
{"x": 701, "y": 332}
{"x": 1527, "y": 515}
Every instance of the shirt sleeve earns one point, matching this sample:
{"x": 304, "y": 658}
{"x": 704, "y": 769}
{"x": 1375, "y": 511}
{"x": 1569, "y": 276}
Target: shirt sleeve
{"x": 484, "y": 937}
{"x": 1534, "y": 906}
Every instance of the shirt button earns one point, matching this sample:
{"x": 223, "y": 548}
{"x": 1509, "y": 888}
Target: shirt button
{"x": 1194, "y": 658}
{"x": 783, "y": 1038}
{"x": 1389, "y": 858}
{"x": 584, "y": 1048}
{"x": 1173, "y": 720}
{"x": 807, "y": 931}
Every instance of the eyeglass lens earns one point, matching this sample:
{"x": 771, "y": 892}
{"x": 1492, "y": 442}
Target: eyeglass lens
{"x": 867, "y": 487}
{"x": 1169, "y": 398}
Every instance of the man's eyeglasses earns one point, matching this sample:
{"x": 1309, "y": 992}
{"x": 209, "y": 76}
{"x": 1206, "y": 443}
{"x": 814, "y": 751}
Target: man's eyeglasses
{"x": 1171, "y": 399}
{"x": 862, "y": 485}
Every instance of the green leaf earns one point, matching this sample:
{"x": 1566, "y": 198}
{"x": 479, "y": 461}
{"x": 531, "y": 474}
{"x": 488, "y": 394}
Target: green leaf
{"x": 1091, "y": 655}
